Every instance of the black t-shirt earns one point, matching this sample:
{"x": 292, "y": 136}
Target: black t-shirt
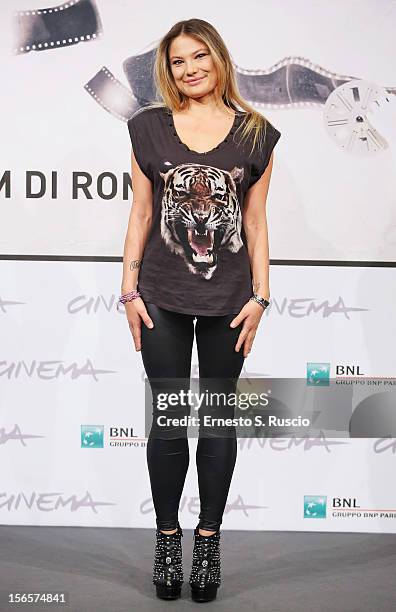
{"x": 195, "y": 260}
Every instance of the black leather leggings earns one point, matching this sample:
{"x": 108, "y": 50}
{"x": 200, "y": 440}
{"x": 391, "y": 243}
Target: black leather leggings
{"x": 166, "y": 352}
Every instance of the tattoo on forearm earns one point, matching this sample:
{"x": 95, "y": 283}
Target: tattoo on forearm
{"x": 256, "y": 287}
{"x": 135, "y": 264}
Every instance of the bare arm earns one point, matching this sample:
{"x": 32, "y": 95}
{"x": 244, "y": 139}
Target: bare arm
{"x": 254, "y": 220}
{"x": 139, "y": 225}
{"x": 255, "y": 224}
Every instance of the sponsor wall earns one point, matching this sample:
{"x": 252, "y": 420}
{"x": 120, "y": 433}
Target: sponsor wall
{"x": 71, "y": 380}
{"x": 72, "y": 422}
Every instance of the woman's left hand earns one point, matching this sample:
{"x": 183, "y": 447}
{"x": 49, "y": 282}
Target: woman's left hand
{"x": 250, "y": 314}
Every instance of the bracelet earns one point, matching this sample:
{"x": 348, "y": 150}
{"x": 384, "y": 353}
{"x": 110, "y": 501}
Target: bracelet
{"x": 263, "y": 302}
{"x": 128, "y": 297}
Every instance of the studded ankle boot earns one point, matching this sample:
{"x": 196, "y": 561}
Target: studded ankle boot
{"x": 205, "y": 575}
{"x": 168, "y": 570}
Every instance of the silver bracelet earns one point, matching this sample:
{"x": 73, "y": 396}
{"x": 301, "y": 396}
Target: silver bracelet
{"x": 262, "y": 301}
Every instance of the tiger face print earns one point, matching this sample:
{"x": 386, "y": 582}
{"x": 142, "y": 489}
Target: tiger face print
{"x": 200, "y": 214}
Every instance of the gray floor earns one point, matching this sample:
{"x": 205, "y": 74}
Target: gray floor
{"x": 110, "y": 570}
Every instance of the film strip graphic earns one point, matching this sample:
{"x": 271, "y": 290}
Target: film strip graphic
{"x": 51, "y": 28}
{"x": 112, "y": 95}
{"x": 294, "y": 82}
{"x": 117, "y": 99}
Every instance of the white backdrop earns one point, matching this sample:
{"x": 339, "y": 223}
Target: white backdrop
{"x": 68, "y": 360}
{"x": 67, "y": 356}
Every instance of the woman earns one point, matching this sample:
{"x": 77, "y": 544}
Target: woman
{"x": 197, "y": 245}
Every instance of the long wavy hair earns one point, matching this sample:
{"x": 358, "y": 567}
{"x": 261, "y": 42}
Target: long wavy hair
{"x": 169, "y": 95}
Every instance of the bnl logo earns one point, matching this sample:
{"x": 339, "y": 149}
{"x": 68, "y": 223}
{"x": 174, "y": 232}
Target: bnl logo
{"x": 315, "y": 506}
{"x": 318, "y": 374}
{"x": 92, "y": 436}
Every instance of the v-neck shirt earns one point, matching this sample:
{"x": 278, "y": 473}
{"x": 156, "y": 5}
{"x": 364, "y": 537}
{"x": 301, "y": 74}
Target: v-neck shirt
{"x": 195, "y": 260}
{"x": 171, "y": 122}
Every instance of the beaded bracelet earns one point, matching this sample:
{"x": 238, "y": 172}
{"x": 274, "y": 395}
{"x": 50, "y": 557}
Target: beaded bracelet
{"x": 128, "y": 297}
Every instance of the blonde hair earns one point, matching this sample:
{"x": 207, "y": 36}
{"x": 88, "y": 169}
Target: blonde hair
{"x": 169, "y": 95}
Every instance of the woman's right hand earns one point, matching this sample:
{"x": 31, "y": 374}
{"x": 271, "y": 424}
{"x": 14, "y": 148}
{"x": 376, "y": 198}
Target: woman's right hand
{"x": 136, "y": 312}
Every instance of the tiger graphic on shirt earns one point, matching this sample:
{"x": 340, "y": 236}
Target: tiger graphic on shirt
{"x": 200, "y": 214}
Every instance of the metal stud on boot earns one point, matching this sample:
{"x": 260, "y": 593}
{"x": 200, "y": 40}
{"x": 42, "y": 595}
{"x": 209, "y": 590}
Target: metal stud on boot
{"x": 168, "y": 570}
{"x": 205, "y": 575}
